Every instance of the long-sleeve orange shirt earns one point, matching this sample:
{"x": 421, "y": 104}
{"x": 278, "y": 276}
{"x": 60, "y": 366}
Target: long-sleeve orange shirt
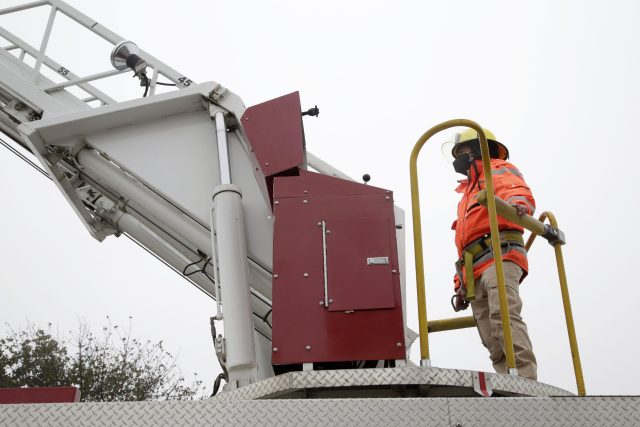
{"x": 473, "y": 219}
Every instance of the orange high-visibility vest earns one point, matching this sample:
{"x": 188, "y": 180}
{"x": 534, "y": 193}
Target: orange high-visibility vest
{"x": 473, "y": 219}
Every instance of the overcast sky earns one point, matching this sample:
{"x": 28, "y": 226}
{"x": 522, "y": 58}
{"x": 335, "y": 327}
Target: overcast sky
{"x": 556, "y": 81}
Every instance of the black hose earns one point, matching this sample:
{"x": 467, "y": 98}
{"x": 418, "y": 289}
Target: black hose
{"x": 216, "y": 384}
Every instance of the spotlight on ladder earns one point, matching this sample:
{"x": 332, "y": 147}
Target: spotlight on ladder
{"x": 126, "y": 55}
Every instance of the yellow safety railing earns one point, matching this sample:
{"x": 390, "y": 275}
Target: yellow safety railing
{"x": 494, "y": 205}
{"x": 537, "y": 227}
{"x": 495, "y": 241}
{"x": 451, "y": 324}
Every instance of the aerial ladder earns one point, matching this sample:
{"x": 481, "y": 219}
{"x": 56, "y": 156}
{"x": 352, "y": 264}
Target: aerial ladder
{"x": 306, "y": 265}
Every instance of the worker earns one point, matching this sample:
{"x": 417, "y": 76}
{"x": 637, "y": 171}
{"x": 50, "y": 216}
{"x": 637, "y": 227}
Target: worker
{"x": 473, "y": 241}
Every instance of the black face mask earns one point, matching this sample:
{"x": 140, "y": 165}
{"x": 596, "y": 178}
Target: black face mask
{"x": 462, "y": 163}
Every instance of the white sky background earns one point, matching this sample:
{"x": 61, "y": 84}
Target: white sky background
{"x": 556, "y": 81}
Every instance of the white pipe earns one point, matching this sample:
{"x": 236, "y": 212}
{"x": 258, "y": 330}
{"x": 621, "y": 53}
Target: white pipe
{"x": 148, "y": 203}
{"x": 168, "y": 218}
{"x": 23, "y": 7}
{"x": 223, "y": 149}
{"x": 78, "y": 81}
{"x": 225, "y": 178}
{"x": 234, "y": 285}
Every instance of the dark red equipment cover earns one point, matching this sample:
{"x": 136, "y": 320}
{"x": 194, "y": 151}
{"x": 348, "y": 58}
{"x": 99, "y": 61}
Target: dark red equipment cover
{"x": 364, "y": 320}
{"x": 39, "y": 395}
{"x": 274, "y": 129}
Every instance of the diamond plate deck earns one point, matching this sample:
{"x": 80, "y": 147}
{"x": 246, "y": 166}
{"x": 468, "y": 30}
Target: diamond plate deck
{"x": 463, "y": 412}
{"x": 394, "y": 382}
{"x": 557, "y": 411}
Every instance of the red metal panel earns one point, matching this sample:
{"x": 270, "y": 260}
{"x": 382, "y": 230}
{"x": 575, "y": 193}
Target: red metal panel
{"x": 352, "y": 283}
{"x": 39, "y": 395}
{"x": 274, "y": 129}
{"x": 369, "y": 325}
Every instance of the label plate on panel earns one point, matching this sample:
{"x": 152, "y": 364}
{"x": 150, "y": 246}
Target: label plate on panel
{"x": 379, "y": 260}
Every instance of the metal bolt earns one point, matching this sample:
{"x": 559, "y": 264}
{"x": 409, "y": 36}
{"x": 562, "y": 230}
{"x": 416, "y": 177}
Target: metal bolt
{"x": 246, "y": 119}
{"x": 331, "y": 301}
{"x": 319, "y": 224}
{"x": 398, "y": 344}
{"x": 305, "y": 201}
{"x": 321, "y": 303}
{"x": 328, "y": 231}
{"x": 308, "y": 348}
{"x": 394, "y": 271}
{"x": 276, "y": 202}
{"x": 275, "y": 349}
{"x": 275, "y": 276}
{"x": 266, "y": 164}
{"x": 387, "y": 197}
{"x": 306, "y": 274}
{"x": 306, "y": 192}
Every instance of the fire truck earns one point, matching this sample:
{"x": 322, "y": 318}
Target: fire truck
{"x": 306, "y": 265}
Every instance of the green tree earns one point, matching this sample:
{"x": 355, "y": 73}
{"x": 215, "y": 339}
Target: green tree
{"x": 112, "y": 367}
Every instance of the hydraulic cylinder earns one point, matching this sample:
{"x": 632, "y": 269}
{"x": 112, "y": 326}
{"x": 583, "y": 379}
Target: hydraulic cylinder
{"x": 231, "y": 256}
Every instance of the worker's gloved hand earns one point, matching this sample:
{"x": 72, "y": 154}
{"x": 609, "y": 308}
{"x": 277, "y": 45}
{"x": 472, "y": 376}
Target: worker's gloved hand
{"x": 459, "y": 300}
{"x": 520, "y": 209}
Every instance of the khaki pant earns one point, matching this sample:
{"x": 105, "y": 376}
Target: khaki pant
{"x": 486, "y": 310}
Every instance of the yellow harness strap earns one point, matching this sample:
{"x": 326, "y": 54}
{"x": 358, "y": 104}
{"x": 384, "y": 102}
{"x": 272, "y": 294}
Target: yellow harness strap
{"x": 468, "y": 272}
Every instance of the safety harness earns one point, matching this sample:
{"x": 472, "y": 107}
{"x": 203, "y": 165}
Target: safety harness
{"x": 480, "y": 251}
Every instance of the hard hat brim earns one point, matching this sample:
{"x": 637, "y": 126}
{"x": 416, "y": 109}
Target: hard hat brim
{"x": 503, "y": 151}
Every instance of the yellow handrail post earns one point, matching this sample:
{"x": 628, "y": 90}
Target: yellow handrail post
{"x": 497, "y": 254}
{"x": 537, "y": 227}
{"x": 495, "y": 242}
{"x": 425, "y": 361}
{"x": 566, "y": 303}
